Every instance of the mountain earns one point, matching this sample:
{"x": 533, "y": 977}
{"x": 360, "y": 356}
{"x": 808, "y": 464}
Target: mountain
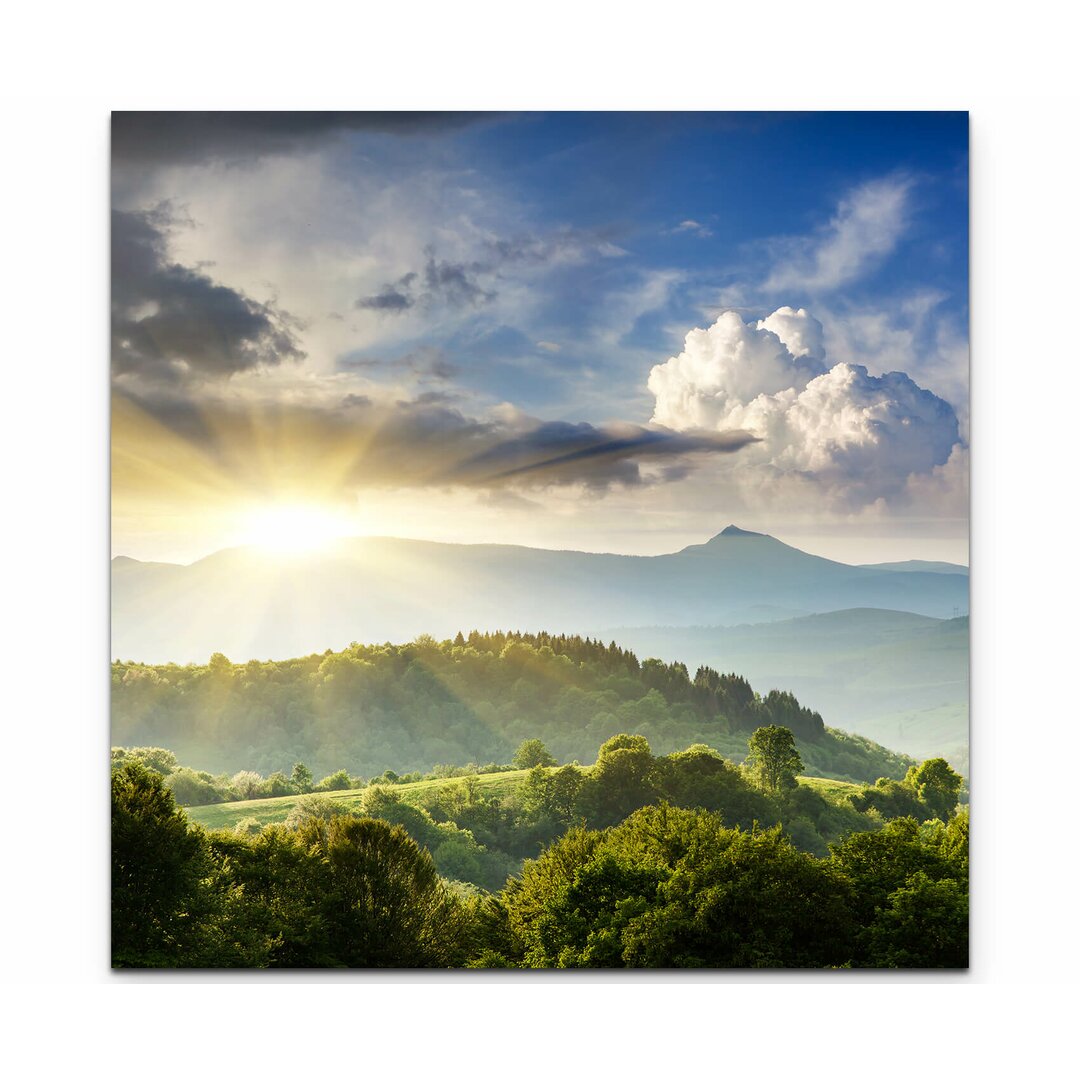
{"x": 252, "y": 603}
{"x": 918, "y": 566}
{"x": 898, "y": 678}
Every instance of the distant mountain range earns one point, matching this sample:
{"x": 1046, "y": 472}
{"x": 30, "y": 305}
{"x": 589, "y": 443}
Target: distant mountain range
{"x": 251, "y": 603}
{"x": 898, "y": 678}
{"x": 918, "y": 566}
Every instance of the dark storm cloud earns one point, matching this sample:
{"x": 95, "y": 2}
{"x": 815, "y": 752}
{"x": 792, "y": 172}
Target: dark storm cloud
{"x": 187, "y": 138}
{"x": 427, "y": 443}
{"x": 171, "y": 322}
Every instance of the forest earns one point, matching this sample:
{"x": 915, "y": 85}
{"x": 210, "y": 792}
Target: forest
{"x": 677, "y": 860}
{"x": 473, "y": 699}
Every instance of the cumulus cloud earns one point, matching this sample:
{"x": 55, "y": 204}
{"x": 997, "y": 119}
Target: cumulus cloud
{"x": 867, "y": 226}
{"x": 732, "y": 363}
{"x": 854, "y": 438}
{"x": 172, "y": 322}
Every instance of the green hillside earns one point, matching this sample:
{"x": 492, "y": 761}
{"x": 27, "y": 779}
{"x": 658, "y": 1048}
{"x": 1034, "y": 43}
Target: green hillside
{"x": 412, "y": 707}
{"x": 417, "y": 793}
{"x": 898, "y": 678}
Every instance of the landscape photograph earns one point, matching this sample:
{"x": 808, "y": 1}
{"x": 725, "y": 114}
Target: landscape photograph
{"x": 539, "y": 540}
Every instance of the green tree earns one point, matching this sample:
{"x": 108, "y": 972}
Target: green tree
{"x": 277, "y": 785}
{"x": 674, "y": 888}
{"x": 701, "y": 777}
{"x": 774, "y": 758}
{"x": 385, "y": 905}
{"x": 621, "y": 781}
{"x": 337, "y": 781}
{"x": 302, "y": 778}
{"x": 891, "y": 799}
{"x": 246, "y": 784}
{"x": 937, "y": 785}
{"x": 161, "y": 907}
{"x": 533, "y": 752}
{"x": 153, "y": 757}
{"x": 925, "y": 925}
{"x": 562, "y": 791}
{"x": 190, "y": 788}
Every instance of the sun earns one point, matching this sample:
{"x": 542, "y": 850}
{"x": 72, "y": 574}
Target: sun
{"x": 294, "y": 528}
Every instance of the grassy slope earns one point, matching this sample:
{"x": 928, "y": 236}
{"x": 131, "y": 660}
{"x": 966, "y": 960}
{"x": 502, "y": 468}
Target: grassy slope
{"x": 226, "y": 815}
{"x": 267, "y": 811}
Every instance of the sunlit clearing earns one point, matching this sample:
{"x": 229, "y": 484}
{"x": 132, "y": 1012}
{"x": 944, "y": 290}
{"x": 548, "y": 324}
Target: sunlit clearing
{"x": 294, "y": 529}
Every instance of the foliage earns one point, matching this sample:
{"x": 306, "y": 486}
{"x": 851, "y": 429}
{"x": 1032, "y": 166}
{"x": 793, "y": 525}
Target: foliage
{"x": 247, "y": 784}
{"x": 928, "y": 791}
{"x": 190, "y": 788}
{"x": 411, "y": 707}
{"x": 165, "y": 912}
{"x": 774, "y": 758}
{"x": 384, "y": 904}
{"x": 668, "y": 886}
{"x": 910, "y": 893}
{"x": 674, "y": 888}
{"x": 301, "y": 778}
{"x": 337, "y": 781}
{"x": 937, "y": 786}
{"x": 530, "y": 753}
{"x": 161, "y": 761}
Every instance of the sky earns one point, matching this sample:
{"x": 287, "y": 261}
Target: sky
{"x": 602, "y": 331}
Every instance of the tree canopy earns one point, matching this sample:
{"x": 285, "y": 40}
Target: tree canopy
{"x": 774, "y": 758}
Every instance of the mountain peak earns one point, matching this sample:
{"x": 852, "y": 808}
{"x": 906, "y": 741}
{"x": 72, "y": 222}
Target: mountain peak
{"x": 734, "y": 530}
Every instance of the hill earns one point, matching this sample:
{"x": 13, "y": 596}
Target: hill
{"x": 420, "y": 794}
{"x": 250, "y": 603}
{"x": 918, "y": 566}
{"x": 471, "y": 700}
{"x": 895, "y": 677}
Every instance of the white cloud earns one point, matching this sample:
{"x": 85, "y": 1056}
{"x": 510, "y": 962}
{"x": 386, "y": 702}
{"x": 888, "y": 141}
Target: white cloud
{"x": 694, "y": 227}
{"x": 732, "y": 363}
{"x": 866, "y": 227}
{"x": 836, "y": 434}
{"x": 798, "y": 330}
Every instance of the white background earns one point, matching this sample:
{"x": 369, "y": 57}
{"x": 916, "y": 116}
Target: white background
{"x": 67, "y": 66}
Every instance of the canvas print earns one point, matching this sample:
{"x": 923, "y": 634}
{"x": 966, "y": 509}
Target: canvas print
{"x": 540, "y": 540}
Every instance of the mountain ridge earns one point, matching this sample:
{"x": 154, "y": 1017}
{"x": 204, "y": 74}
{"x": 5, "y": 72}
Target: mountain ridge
{"x": 251, "y": 603}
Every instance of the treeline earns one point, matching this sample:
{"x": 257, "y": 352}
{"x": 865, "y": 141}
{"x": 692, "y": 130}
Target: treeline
{"x": 654, "y": 885}
{"x": 194, "y": 787}
{"x": 367, "y": 709}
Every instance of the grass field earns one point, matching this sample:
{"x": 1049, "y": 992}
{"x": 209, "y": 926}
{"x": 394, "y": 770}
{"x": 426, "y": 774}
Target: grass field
{"x": 226, "y": 815}
{"x": 834, "y": 790}
{"x": 268, "y": 811}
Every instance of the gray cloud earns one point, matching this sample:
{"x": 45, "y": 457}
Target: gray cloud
{"x": 441, "y": 283}
{"x": 171, "y": 322}
{"x": 185, "y": 138}
{"x": 426, "y": 361}
{"x": 426, "y": 443}
{"x": 458, "y": 284}
{"x": 560, "y": 452}
{"x": 391, "y": 298}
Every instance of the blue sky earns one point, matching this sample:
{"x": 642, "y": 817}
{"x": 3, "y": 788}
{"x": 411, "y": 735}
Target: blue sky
{"x": 634, "y": 179}
{"x": 596, "y": 288}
